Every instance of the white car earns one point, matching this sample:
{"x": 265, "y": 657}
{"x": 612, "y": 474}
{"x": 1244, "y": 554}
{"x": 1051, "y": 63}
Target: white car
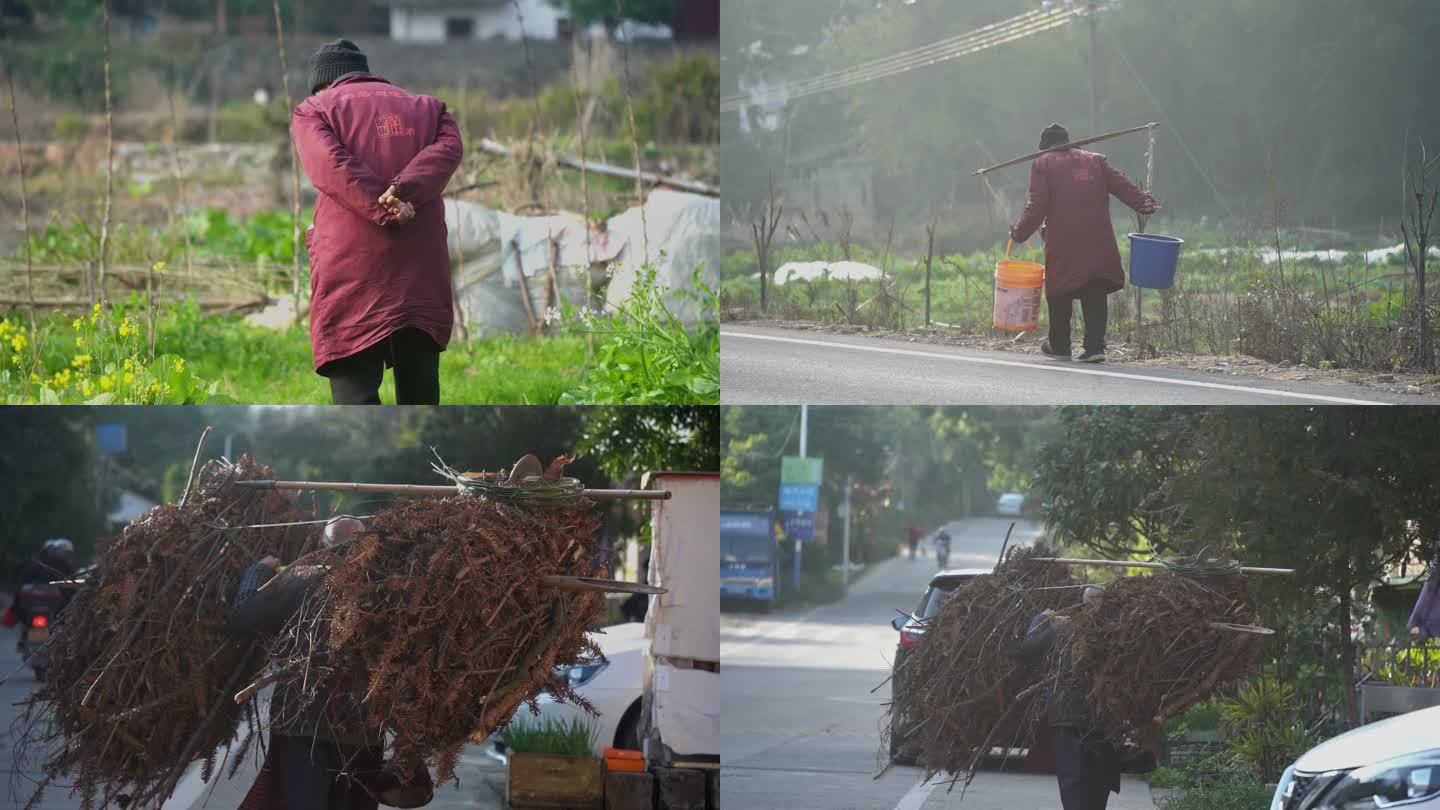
{"x": 1010, "y": 504}
{"x": 1390, "y": 763}
{"x": 613, "y": 688}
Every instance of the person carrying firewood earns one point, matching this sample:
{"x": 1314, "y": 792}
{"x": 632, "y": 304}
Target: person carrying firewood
{"x": 380, "y": 158}
{"x": 1087, "y": 766}
{"x": 322, "y": 753}
{"x": 1070, "y": 193}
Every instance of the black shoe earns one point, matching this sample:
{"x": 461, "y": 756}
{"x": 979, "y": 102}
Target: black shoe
{"x": 1092, "y": 357}
{"x": 1045, "y": 350}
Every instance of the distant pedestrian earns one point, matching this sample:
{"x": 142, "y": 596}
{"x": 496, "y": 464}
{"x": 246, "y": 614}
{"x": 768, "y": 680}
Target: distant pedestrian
{"x": 915, "y": 533}
{"x": 1070, "y": 193}
{"x": 1087, "y": 766}
{"x": 381, "y": 296}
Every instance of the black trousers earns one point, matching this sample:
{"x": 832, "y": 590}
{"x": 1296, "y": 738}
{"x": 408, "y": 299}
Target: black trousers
{"x": 1094, "y": 305}
{"x": 1087, "y": 768}
{"x": 355, "y": 380}
{"x": 310, "y": 773}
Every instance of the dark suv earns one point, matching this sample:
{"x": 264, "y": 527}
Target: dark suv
{"x": 912, "y": 628}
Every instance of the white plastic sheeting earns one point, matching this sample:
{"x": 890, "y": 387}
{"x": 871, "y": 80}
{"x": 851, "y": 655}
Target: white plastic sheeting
{"x": 809, "y": 271}
{"x": 686, "y": 709}
{"x": 1267, "y": 255}
{"x": 683, "y": 232}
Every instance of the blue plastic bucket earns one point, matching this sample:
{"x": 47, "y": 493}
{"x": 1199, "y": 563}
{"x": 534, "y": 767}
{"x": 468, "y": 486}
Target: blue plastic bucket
{"x": 1153, "y": 259}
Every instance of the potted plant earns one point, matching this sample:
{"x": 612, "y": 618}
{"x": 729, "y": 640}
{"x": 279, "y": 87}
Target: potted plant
{"x": 553, "y": 765}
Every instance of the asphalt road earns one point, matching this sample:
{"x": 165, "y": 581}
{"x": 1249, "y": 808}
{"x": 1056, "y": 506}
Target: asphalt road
{"x": 801, "y": 726}
{"x": 779, "y": 366}
{"x": 481, "y": 785}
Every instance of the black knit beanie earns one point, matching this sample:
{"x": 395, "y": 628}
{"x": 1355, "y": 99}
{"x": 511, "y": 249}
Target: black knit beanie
{"x": 1054, "y": 135}
{"x": 334, "y": 60}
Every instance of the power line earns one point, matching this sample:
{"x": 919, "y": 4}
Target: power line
{"x": 944, "y": 50}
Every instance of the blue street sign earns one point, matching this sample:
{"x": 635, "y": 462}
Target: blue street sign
{"x": 800, "y": 526}
{"x": 799, "y": 497}
{"x": 111, "y": 438}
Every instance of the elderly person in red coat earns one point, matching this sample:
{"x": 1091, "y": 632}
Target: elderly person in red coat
{"x": 1070, "y": 193}
{"x": 380, "y": 158}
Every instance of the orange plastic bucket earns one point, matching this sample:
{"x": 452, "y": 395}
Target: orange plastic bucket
{"x": 1017, "y": 293}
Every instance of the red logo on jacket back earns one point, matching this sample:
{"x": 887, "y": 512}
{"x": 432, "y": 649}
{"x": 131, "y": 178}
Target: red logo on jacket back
{"x": 389, "y": 125}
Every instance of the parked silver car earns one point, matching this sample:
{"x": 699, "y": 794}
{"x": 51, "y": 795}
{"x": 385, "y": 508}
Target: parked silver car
{"x": 1389, "y": 763}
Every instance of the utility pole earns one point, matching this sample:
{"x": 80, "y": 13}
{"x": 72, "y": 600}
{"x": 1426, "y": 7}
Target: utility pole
{"x": 1093, "y": 18}
{"x": 845, "y": 571}
{"x": 804, "y": 438}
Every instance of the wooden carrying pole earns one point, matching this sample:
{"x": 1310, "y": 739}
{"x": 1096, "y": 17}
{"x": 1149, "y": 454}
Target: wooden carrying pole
{"x": 428, "y": 489}
{"x": 1082, "y": 142}
{"x": 1155, "y": 565}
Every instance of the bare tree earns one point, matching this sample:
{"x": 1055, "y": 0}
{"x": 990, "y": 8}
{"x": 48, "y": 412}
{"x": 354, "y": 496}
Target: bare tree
{"x": 294, "y": 167}
{"x": 1415, "y": 224}
{"x": 929, "y": 256}
{"x": 24, "y": 213}
{"x": 98, "y": 290}
{"x": 763, "y": 232}
{"x": 846, "y": 232}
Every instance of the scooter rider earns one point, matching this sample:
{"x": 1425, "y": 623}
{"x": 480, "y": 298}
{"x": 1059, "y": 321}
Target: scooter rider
{"x": 56, "y": 561}
{"x": 942, "y": 548}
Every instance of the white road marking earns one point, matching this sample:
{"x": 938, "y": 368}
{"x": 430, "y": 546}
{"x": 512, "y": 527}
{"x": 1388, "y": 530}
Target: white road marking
{"x": 783, "y": 631}
{"x": 914, "y": 799}
{"x": 1065, "y": 369}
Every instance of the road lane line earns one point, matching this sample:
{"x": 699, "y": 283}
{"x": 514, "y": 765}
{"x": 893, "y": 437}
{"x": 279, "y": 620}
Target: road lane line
{"x": 1066, "y": 369}
{"x": 914, "y": 799}
{"x": 776, "y": 633}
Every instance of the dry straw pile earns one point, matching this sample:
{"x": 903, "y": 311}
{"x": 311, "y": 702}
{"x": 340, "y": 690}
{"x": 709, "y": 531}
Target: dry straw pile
{"x": 142, "y": 667}
{"x": 435, "y": 619}
{"x": 1145, "y": 652}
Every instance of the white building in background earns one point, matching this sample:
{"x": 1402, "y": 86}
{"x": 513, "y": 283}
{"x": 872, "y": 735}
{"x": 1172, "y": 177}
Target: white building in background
{"x": 452, "y": 20}
{"x": 130, "y": 507}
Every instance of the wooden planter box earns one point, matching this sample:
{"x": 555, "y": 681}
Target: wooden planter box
{"x": 553, "y": 782}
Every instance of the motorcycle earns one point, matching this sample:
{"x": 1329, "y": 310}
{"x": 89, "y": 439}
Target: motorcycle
{"x": 43, "y": 604}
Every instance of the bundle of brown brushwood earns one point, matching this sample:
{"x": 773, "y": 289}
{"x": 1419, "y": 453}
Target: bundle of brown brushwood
{"x": 1148, "y": 649}
{"x": 437, "y": 617}
{"x": 964, "y": 689}
{"x": 1151, "y": 648}
{"x": 142, "y": 669}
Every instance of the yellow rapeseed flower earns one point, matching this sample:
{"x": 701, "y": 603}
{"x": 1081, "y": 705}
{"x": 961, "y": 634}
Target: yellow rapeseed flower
{"x": 159, "y": 267}
{"x": 129, "y": 378}
{"x": 131, "y": 365}
{"x": 87, "y": 388}
{"x": 107, "y": 382}
{"x": 95, "y": 314}
{"x": 5, "y": 328}
{"x": 79, "y": 341}
{"x": 15, "y": 359}
{"x": 81, "y": 361}
{"x": 19, "y": 342}
{"x": 78, "y": 324}
{"x": 179, "y": 365}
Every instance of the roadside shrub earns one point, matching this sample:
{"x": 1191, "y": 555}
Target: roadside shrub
{"x": 1237, "y": 795}
{"x": 1266, "y": 733}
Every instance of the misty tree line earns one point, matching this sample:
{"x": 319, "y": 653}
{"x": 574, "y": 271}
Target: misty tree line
{"x": 1297, "y": 110}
